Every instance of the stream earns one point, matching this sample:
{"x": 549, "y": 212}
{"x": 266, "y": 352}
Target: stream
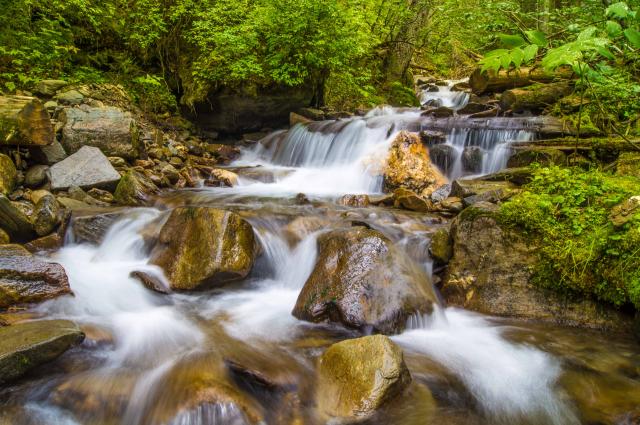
{"x": 147, "y": 356}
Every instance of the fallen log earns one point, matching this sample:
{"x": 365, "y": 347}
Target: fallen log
{"x": 534, "y": 98}
{"x": 24, "y": 121}
{"x": 492, "y": 82}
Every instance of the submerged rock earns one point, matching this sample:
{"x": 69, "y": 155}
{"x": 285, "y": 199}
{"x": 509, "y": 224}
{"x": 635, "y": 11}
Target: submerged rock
{"x": 361, "y": 281}
{"x": 408, "y": 166}
{"x": 26, "y": 279}
{"x": 491, "y": 272}
{"x": 24, "y": 346}
{"x": 201, "y": 246}
{"x": 358, "y": 376}
{"x": 86, "y": 168}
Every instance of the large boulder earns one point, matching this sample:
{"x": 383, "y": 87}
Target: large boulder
{"x": 358, "y": 376}
{"x": 135, "y": 189}
{"x": 361, "y": 281}
{"x": 87, "y": 168}
{"x": 524, "y": 156}
{"x": 24, "y": 346}
{"x": 199, "y": 247}
{"x": 8, "y": 175}
{"x": 14, "y": 221}
{"x": 26, "y": 279}
{"x": 408, "y": 166}
{"x": 492, "y": 269}
{"x": 110, "y": 129}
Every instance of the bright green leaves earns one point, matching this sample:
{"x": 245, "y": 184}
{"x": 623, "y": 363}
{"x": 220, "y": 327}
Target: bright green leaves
{"x": 613, "y": 29}
{"x": 633, "y": 36}
{"x": 619, "y": 10}
{"x": 530, "y": 53}
{"x": 504, "y": 58}
{"x": 572, "y": 53}
{"x": 511, "y": 41}
{"x": 538, "y": 38}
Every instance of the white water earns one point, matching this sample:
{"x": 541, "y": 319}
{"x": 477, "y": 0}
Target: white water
{"x": 445, "y": 96}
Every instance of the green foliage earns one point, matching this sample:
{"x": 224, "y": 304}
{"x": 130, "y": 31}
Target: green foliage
{"x": 581, "y": 251}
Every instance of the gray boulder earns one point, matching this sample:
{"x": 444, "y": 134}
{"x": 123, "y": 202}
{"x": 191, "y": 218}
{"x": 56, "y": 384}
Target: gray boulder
{"x": 48, "y": 88}
{"x": 87, "y": 168}
{"x": 110, "y": 129}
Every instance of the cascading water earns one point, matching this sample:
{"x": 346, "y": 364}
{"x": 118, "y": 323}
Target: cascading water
{"x": 162, "y": 359}
{"x": 441, "y": 95}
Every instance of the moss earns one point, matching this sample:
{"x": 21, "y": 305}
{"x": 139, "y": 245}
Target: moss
{"x": 8, "y": 174}
{"x": 568, "y": 210}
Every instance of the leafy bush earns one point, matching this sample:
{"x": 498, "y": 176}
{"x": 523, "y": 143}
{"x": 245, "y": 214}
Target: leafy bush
{"x": 567, "y": 210}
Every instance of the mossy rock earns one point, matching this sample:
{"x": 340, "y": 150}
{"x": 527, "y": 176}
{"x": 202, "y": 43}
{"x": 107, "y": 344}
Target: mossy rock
{"x": 8, "y": 175}
{"x": 200, "y": 247}
{"x": 542, "y": 156}
{"x": 14, "y": 221}
{"x": 134, "y": 189}
{"x": 628, "y": 164}
{"x": 441, "y": 247}
{"x": 358, "y": 376}
{"x": 24, "y": 346}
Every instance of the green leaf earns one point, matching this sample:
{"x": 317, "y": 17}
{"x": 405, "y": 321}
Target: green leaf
{"x": 537, "y": 37}
{"x": 517, "y": 57}
{"x": 606, "y": 53}
{"x": 614, "y": 29}
{"x": 505, "y": 61}
{"x": 618, "y": 10}
{"x": 633, "y": 36}
{"x": 586, "y": 33}
{"x": 530, "y": 53}
{"x": 511, "y": 41}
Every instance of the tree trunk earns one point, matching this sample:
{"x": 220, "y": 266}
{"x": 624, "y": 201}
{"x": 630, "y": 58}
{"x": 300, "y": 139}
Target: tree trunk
{"x": 402, "y": 46}
{"x": 24, "y": 121}
{"x": 534, "y": 98}
{"x": 491, "y": 82}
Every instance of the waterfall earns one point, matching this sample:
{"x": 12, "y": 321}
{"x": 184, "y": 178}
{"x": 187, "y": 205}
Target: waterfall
{"x": 445, "y": 96}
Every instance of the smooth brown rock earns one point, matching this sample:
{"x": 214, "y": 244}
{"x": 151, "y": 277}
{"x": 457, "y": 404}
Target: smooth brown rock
{"x": 361, "y": 281}
{"x": 25, "y": 279}
{"x": 358, "y": 376}
{"x": 201, "y": 246}
{"x": 24, "y": 346}
{"x": 25, "y": 122}
{"x": 8, "y": 175}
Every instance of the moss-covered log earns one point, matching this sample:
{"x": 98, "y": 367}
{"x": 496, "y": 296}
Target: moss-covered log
{"x": 24, "y": 121}
{"x": 534, "y": 98}
{"x": 491, "y": 81}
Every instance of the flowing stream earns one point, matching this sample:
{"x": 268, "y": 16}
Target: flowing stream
{"x": 148, "y": 357}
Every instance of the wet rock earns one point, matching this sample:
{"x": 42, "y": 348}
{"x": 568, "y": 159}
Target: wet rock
{"x": 440, "y": 112}
{"x": 432, "y": 138}
{"x": 24, "y": 346}
{"x": 297, "y": 119}
{"x": 8, "y": 175}
{"x": 222, "y": 178}
{"x": 102, "y": 196}
{"x": 356, "y": 201}
{"x": 135, "y": 189}
{"x": 36, "y": 176}
{"x": 452, "y": 204}
{"x": 474, "y": 108}
{"x": 543, "y": 156}
{"x": 48, "y": 88}
{"x": 71, "y": 97}
{"x": 4, "y": 237}
{"x": 86, "y": 168}
{"x": 361, "y": 281}
{"x": 443, "y": 156}
{"x": 441, "y": 247}
{"x": 151, "y": 281}
{"x": 50, "y": 154}
{"x": 80, "y": 195}
{"x": 26, "y": 279}
{"x": 408, "y": 166}
{"x": 441, "y": 193}
{"x": 223, "y": 153}
{"x": 385, "y": 199}
{"x": 14, "y": 221}
{"x": 472, "y": 157}
{"x": 47, "y": 215}
{"x": 200, "y": 247}
{"x": 312, "y": 113}
{"x": 358, "y": 376}
{"x": 625, "y": 212}
{"x": 93, "y": 228}
{"x": 463, "y": 188}
{"x": 110, "y": 129}
{"x": 302, "y": 199}
{"x": 411, "y": 201}
{"x": 491, "y": 272}
{"x": 49, "y": 243}
{"x": 301, "y": 227}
